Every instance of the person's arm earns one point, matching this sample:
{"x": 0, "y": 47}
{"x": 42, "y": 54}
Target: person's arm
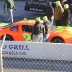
{"x": 69, "y": 15}
{"x": 62, "y": 9}
{"x": 52, "y": 11}
{"x": 14, "y": 5}
{"x": 43, "y": 29}
{"x": 5, "y": 6}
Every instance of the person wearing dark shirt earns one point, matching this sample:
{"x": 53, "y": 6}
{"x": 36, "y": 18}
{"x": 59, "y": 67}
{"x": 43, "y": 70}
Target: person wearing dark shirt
{"x": 38, "y": 31}
{"x": 50, "y": 12}
{"x": 66, "y": 16}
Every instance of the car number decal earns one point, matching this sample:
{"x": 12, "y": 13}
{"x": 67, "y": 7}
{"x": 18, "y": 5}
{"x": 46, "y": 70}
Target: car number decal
{"x": 27, "y": 37}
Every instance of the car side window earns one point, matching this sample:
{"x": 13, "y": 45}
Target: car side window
{"x": 14, "y": 28}
{"x": 26, "y": 28}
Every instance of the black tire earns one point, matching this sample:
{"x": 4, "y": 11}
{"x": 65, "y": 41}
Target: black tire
{"x": 57, "y": 40}
{"x": 8, "y": 38}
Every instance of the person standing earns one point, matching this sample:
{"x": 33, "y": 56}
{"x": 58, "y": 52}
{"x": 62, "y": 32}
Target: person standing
{"x": 8, "y": 7}
{"x": 58, "y": 13}
{"x": 47, "y": 26}
{"x": 38, "y": 31}
{"x": 66, "y": 16}
{"x": 50, "y": 12}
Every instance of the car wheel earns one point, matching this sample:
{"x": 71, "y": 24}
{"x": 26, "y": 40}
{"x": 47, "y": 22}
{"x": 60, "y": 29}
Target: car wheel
{"x": 8, "y": 38}
{"x": 57, "y": 40}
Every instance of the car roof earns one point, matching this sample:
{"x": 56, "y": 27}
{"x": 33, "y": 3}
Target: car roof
{"x": 27, "y": 22}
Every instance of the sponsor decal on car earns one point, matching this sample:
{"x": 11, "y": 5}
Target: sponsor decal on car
{"x": 27, "y": 37}
{"x": 59, "y": 28}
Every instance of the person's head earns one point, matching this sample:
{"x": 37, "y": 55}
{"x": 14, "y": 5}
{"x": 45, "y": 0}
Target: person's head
{"x": 58, "y": 3}
{"x": 25, "y": 19}
{"x": 66, "y": 6}
{"x": 50, "y": 3}
{"x": 37, "y": 19}
{"x": 45, "y": 18}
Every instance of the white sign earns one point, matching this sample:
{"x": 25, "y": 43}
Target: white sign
{"x": 37, "y": 50}
{"x": 34, "y": 9}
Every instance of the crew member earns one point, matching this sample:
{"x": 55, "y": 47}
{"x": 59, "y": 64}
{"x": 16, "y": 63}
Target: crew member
{"x": 38, "y": 31}
{"x": 66, "y": 16}
{"x": 50, "y": 12}
{"x": 47, "y": 25}
{"x": 58, "y": 13}
{"x": 8, "y": 7}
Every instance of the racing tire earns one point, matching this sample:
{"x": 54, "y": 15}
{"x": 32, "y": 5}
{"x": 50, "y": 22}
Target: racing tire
{"x": 8, "y": 38}
{"x": 57, "y": 40}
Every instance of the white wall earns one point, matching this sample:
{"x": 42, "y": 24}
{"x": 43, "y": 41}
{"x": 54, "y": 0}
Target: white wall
{"x": 38, "y": 50}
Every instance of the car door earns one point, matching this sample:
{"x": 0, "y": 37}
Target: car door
{"x": 27, "y": 30}
{"x": 14, "y": 32}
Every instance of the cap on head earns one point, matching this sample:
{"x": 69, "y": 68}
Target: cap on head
{"x": 50, "y": 3}
{"x": 25, "y": 19}
{"x": 41, "y": 21}
{"x": 37, "y": 19}
{"x": 66, "y": 6}
{"x": 58, "y": 3}
{"x": 45, "y": 18}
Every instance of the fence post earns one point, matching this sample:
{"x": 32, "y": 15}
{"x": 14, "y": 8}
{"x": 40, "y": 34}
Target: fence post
{"x": 1, "y": 49}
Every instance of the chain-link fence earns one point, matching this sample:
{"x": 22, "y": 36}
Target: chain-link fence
{"x": 36, "y": 57}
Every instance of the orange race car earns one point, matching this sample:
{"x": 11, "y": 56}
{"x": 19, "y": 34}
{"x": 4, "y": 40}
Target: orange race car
{"x": 61, "y": 34}
{"x": 19, "y": 31}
